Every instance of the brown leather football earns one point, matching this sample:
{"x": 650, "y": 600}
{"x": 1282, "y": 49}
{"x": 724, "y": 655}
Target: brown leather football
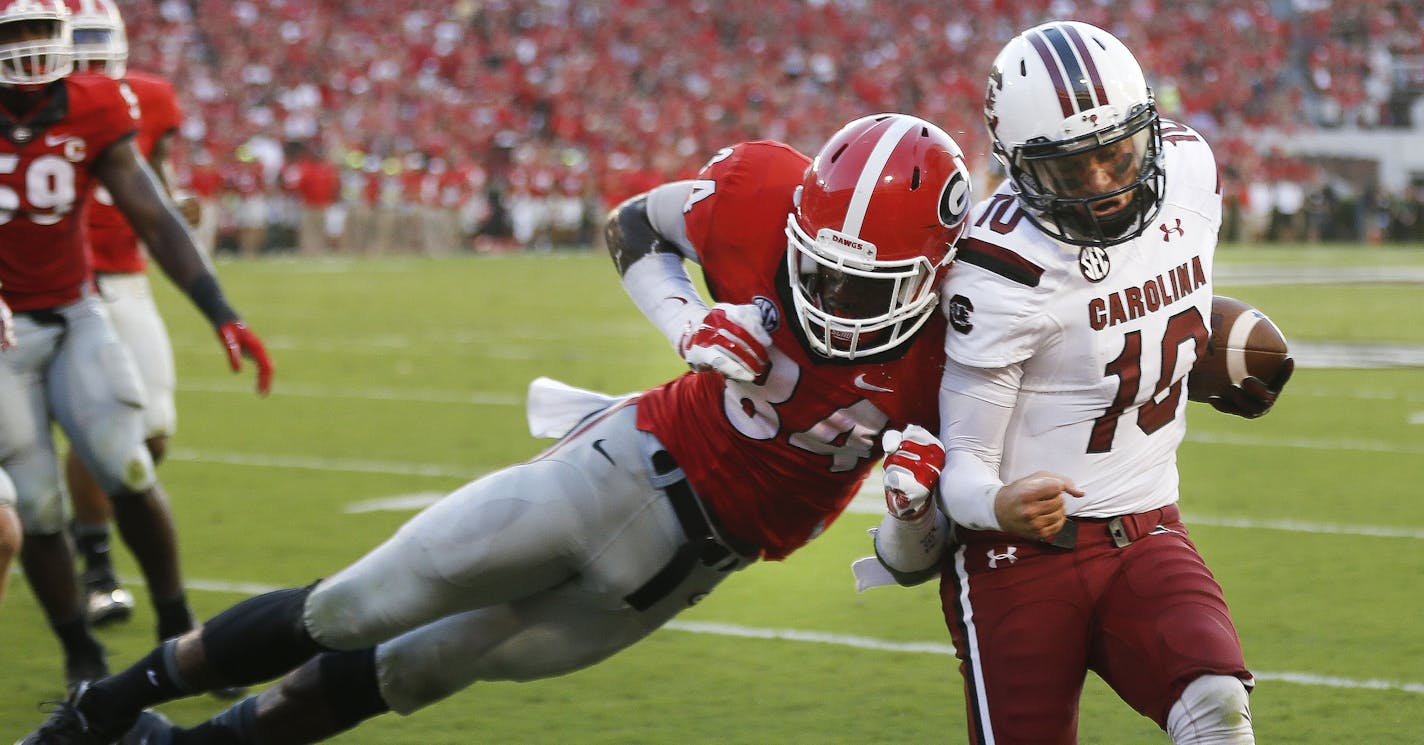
{"x": 1243, "y": 342}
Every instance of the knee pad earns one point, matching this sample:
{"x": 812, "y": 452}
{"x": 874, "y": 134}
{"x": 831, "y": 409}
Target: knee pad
{"x": 260, "y": 638}
{"x": 1212, "y": 710}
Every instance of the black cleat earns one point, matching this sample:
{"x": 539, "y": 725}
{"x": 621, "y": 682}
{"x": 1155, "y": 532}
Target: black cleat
{"x": 68, "y": 725}
{"x": 107, "y": 602}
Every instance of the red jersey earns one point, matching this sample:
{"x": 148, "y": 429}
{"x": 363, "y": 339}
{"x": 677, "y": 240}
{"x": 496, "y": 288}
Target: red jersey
{"x": 779, "y": 460}
{"x": 112, "y": 242}
{"x": 46, "y": 162}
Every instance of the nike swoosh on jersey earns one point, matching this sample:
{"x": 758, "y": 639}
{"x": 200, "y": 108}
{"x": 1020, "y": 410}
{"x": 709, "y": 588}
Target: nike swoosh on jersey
{"x": 53, "y": 141}
{"x": 861, "y": 383}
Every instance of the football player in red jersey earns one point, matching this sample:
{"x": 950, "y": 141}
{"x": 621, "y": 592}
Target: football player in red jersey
{"x": 1080, "y": 298}
{"x": 59, "y": 136}
{"x": 101, "y": 46}
{"x": 826, "y": 335}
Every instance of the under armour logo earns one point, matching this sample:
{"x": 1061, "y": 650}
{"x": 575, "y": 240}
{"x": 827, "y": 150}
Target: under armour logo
{"x": 1008, "y": 556}
{"x": 1167, "y": 232}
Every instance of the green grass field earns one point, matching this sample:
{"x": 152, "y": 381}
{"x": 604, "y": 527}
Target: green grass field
{"x": 406, "y": 377}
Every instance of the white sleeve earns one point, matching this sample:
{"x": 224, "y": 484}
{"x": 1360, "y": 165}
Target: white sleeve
{"x": 665, "y": 214}
{"x": 658, "y": 283}
{"x": 976, "y": 405}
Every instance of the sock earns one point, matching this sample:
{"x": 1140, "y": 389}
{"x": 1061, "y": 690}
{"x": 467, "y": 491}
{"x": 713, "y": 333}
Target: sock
{"x": 174, "y": 616}
{"x": 236, "y": 725}
{"x": 74, "y": 636}
{"x": 148, "y": 682}
{"x": 92, "y": 540}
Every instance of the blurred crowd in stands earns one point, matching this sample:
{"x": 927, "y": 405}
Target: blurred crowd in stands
{"x": 404, "y": 126}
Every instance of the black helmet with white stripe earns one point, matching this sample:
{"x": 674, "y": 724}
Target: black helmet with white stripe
{"x": 1076, "y": 126}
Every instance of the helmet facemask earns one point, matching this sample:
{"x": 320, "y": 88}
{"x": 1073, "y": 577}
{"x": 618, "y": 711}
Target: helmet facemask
{"x": 101, "y": 41}
{"x": 849, "y": 304}
{"x": 1101, "y": 188}
{"x": 35, "y": 49}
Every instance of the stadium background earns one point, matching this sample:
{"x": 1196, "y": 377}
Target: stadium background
{"x": 403, "y": 126}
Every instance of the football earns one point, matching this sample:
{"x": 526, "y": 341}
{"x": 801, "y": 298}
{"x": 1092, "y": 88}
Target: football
{"x": 1243, "y": 342}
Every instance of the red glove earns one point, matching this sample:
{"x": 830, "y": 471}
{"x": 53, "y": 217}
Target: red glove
{"x": 730, "y": 340}
{"x": 240, "y": 341}
{"x": 911, "y": 472}
{"x": 1254, "y": 397}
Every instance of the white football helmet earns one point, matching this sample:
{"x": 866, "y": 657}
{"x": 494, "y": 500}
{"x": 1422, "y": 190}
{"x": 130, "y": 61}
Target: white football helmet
{"x": 101, "y": 43}
{"x": 875, "y": 225}
{"x": 1076, "y": 126}
{"x": 35, "y": 48}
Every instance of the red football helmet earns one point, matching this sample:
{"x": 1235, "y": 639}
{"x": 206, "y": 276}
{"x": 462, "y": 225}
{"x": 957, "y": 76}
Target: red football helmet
{"x": 874, "y": 229}
{"x": 35, "y": 48}
{"x": 101, "y": 42}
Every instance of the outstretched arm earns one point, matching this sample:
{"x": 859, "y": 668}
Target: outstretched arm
{"x": 139, "y": 195}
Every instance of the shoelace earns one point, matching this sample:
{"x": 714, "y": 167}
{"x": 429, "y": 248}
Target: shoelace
{"x": 69, "y": 719}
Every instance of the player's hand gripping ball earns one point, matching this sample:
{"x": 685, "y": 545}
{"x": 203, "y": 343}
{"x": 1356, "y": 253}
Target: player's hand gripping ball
{"x": 1246, "y": 364}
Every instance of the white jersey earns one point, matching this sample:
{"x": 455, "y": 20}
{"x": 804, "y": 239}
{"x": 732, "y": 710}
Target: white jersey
{"x": 1100, "y": 340}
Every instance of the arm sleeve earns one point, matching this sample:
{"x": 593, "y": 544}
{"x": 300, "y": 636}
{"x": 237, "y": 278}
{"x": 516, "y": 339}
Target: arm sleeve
{"x": 661, "y": 288}
{"x": 665, "y": 215}
{"x": 976, "y": 406}
{"x": 910, "y": 551}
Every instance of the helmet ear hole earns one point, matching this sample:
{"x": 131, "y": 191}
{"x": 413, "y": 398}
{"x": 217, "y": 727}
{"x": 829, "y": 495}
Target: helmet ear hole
{"x": 915, "y": 179}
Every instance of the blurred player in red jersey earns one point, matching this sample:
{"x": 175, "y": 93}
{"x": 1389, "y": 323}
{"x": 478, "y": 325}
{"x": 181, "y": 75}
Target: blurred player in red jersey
{"x": 101, "y": 46}
{"x": 1079, "y": 301}
{"x": 826, "y": 334}
{"x": 58, "y": 136}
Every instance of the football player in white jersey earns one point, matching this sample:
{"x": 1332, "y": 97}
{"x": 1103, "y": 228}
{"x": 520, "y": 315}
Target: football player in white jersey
{"x": 1078, "y": 303}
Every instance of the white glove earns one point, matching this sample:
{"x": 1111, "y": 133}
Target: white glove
{"x": 729, "y": 340}
{"x": 911, "y": 472}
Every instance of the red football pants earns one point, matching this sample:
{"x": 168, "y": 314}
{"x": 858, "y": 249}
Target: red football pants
{"x": 1029, "y": 620}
